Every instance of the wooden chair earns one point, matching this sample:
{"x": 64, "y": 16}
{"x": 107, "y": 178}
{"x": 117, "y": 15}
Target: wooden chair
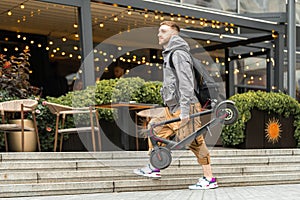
{"x": 20, "y": 106}
{"x": 62, "y": 110}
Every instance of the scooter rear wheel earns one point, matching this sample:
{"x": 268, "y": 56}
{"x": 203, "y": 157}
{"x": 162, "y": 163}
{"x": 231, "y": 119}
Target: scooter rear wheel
{"x": 160, "y": 158}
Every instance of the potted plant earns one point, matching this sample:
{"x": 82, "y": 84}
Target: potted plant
{"x": 14, "y": 82}
{"x": 266, "y": 120}
{"x": 14, "y": 72}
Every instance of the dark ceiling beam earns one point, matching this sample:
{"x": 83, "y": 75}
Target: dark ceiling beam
{"x": 203, "y": 35}
{"x": 237, "y": 43}
{"x": 248, "y": 55}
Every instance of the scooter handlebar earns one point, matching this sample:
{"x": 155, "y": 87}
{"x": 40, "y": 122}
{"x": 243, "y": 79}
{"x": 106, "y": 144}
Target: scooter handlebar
{"x": 193, "y": 115}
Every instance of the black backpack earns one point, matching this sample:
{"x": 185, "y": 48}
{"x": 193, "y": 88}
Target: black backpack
{"x": 205, "y": 87}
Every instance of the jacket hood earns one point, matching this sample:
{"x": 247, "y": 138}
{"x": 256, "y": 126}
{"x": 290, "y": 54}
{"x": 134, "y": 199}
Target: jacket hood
{"x": 176, "y": 42}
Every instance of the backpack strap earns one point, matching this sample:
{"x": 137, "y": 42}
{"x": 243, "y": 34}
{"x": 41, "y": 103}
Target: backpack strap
{"x": 171, "y": 56}
{"x": 173, "y": 67}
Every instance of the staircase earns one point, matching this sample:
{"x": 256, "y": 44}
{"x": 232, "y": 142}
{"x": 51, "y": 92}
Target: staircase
{"x": 51, "y": 173}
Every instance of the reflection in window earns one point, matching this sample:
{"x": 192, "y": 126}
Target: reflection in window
{"x": 225, "y": 5}
{"x": 250, "y": 73}
{"x": 262, "y": 6}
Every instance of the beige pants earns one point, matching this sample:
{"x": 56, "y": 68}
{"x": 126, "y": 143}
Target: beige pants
{"x": 198, "y": 146}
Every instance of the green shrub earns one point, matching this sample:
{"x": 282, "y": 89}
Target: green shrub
{"x": 270, "y": 102}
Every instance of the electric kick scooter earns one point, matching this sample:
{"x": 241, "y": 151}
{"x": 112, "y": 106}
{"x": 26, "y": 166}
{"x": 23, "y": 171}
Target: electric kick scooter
{"x": 224, "y": 112}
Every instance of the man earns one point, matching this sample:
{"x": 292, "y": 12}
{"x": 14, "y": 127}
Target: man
{"x": 118, "y": 71}
{"x": 178, "y": 94}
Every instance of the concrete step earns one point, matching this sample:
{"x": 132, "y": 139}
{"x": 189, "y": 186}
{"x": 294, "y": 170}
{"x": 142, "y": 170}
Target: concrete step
{"x": 19, "y": 190}
{"x": 127, "y": 174}
{"x": 47, "y": 173}
{"x": 90, "y": 164}
{"x": 223, "y": 181}
{"x": 28, "y": 156}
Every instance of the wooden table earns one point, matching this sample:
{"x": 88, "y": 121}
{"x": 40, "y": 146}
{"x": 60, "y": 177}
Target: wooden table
{"x": 126, "y": 124}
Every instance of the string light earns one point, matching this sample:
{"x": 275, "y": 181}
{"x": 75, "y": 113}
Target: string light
{"x": 157, "y": 15}
{"x": 10, "y": 11}
{"x": 75, "y": 25}
{"x": 179, "y": 17}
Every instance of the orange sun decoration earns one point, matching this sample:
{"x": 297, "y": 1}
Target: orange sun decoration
{"x": 273, "y": 130}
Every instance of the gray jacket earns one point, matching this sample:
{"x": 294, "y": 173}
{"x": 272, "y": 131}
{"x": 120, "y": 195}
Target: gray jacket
{"x": 178, "y": 93}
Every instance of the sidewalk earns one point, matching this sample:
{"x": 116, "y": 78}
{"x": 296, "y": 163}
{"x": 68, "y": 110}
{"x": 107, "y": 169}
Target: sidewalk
{"x": 269, "y": 192}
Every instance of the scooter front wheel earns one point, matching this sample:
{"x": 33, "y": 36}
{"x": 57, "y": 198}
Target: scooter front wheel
{"x": 227, "y": 111}
{"x": 160, "y": 158}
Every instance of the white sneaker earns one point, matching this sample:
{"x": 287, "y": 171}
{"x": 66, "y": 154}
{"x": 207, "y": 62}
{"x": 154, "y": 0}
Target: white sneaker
{"x": 148, "y": 171}
{"x": 204, "y": 184}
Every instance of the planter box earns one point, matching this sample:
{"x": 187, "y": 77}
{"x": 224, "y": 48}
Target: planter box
{"x": 255, "y": 135}
{"x": 14, "y": 139}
